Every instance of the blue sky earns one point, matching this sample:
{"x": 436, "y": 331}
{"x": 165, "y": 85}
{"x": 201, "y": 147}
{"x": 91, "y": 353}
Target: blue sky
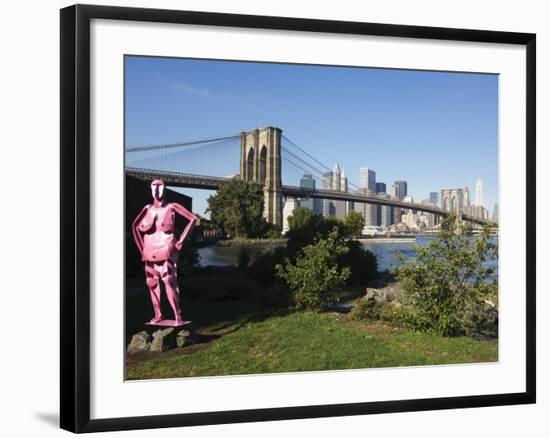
{"x": 433, "y": 129}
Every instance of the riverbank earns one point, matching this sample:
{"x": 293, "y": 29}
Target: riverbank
{"x": 251, "y": 242}
{"x": 387, "y": 239}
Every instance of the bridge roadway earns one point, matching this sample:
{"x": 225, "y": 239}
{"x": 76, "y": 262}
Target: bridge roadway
{"x": 187, "y": 180}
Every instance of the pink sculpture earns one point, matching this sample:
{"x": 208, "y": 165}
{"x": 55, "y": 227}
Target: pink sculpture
{"x": 153, "y": 231}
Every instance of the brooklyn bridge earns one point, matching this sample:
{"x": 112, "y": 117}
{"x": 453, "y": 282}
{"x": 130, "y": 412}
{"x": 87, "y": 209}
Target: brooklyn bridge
{"x": 262, "y": 156}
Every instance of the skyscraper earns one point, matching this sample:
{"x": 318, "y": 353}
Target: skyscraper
{"x": 400, "y": 189}
{"x": 479, "y": 192}
{"x": 307, "y": 181}
{"x": 340, "y": 184}
{"x": 367, "y": 178}
{"x": 380, "y": 187}
{"x": 434, "y": 198}
{"x": 494, "y": 218}
{"x": 367, "y": 182}
{"x": 326, "y": 204}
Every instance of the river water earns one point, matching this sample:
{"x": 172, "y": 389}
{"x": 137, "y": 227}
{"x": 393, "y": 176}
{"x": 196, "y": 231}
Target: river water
{"x": 383, "y": 249}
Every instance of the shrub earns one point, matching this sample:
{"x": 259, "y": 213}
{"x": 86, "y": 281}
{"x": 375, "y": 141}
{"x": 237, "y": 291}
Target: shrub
{"x": 361, "y": 309}
{"x": 262, "y": 269}
{"x": 302, "y": 230}
{"x": 315, "y": 278}
{"x": 369, "y": 308}
{"x": 275, "y": 295}
{"x": 361, "y": 261}
{"x": 446, "y": 280}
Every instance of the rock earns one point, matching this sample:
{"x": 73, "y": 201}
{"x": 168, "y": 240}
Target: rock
{"x": 185, "y": 336}
{"x": 163, "y": 339}
{"x": 140, "y": 342}
{"x": 381, "y": 296}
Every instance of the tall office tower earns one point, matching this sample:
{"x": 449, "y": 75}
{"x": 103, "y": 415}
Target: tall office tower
{"x": 380, "y": 190}
{"x": 434, "y": 198}
{"x": 466, "y": 197}
{"x": 393, "y": 191}
{"x": 340, "y": 184}
{"x": 494, "y": 218}
{"x": 326, "y": 204}
{"x": 401, "y": 189}
{"x": 386, "y": 213}
{"x": 367, "y": 179}
{"x": 314, "y": 204}
{"x": 370, "y": 211}
{"x": 479, "y": 192}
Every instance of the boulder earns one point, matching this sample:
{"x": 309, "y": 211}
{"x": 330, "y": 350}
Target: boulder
{"x": 140, "y": 342}
{"x": 163, "y": 339}
{"x": 186, "y": 336}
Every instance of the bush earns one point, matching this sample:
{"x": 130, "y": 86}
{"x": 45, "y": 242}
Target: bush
{"x": 369, "y": 308}
{"x": 213, "y": 285}
{"x": 316, "y": 279}
{"x": 262, "y": 269}
{"x": 275, "y": 295}
{"x": 446, "y": 280}
{"x": 272, "y": 231}
{"x": 361, "y": 310}
{"x": 362, "y": 262}
{"x": 302, "y": 224}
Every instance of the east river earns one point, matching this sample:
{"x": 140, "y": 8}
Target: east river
{"x": 384, "y": 249}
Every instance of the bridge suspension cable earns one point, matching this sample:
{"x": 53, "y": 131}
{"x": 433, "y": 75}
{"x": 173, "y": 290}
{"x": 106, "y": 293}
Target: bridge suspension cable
{"x": 305, "y": 153}
{"x": 181, "y": 144}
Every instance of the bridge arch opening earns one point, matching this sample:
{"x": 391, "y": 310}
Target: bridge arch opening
{"x": 454, "y": 204}
{"x": 250, "y": 165}
{"x": 263, "y": 164}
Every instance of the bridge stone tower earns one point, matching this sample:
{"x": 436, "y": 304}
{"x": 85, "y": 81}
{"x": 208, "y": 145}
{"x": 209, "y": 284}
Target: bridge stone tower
{"x": 261, "y": 163}
{"x": 454, "y": 200}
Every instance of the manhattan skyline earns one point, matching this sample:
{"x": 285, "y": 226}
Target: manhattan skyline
{"x": 434, "y": 130}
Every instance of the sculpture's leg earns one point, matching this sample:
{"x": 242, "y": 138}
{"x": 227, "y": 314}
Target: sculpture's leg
{"x": 152, "y": 279}
{"x": 170, "y": 279}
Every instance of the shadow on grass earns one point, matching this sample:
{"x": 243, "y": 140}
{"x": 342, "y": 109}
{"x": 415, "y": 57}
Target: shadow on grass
{"x": 217, "y": 303}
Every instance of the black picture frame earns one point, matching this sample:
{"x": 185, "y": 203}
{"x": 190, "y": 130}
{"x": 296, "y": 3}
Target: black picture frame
{"x": 75, "y": 217}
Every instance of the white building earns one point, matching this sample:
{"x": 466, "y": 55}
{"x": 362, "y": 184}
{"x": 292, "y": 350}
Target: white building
{"x": 290, "y": 205}
{"x": 479, "y": 193}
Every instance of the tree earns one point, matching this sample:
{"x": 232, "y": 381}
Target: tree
{"x": 355, "y": 223}
{"x": 447, "y": 280}
{"x": 238, "y": 208}
{"x": 315, "y": 279}
{"x": 301, "y": 218}
{"x": 302, "y": 229}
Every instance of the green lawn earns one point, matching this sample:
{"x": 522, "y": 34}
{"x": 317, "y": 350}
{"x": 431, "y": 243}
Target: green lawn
{"x": 290, "y": 342}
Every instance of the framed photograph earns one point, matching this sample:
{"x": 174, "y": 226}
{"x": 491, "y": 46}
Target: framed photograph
{"x": 267, "y": 218}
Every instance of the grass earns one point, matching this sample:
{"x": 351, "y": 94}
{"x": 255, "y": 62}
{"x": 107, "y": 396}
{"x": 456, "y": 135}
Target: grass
{"x": 298, "y": 341}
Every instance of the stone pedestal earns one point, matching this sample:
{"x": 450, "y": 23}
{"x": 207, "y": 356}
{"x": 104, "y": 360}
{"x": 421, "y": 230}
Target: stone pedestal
{"x": 162, "y": 336}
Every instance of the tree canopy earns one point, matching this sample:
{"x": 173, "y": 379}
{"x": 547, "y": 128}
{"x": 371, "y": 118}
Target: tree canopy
{"x": 238, "y": 208}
